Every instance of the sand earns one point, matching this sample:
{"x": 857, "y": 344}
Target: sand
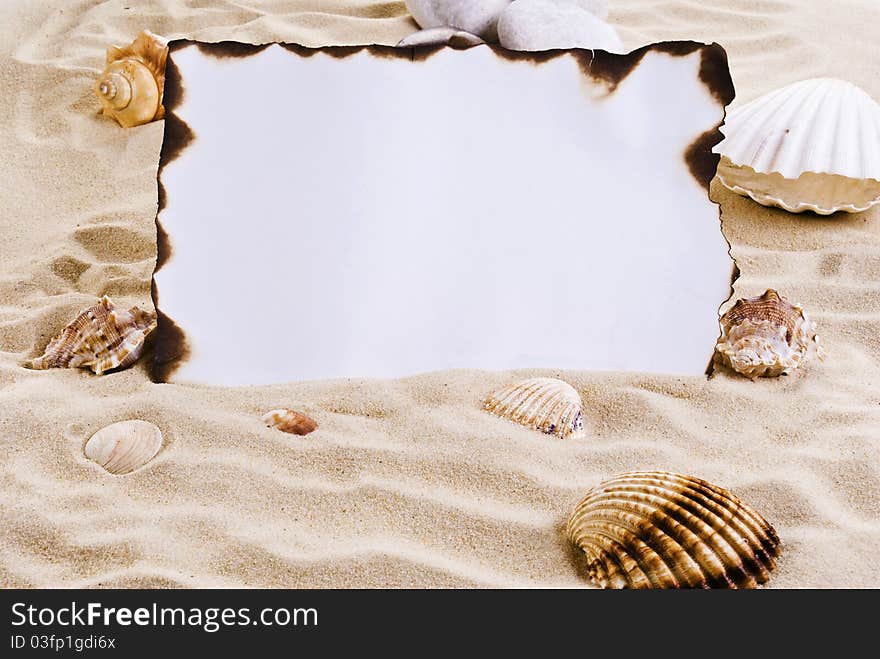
{"x": 406, "y": 482}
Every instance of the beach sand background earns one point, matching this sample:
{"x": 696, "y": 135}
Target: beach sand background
{"x": 406, "y": 482}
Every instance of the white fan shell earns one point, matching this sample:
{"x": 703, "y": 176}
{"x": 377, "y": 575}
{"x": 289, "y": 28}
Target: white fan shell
{"x": 812, "y": 145}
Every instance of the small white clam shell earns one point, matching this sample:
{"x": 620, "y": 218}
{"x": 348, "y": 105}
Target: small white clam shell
{"x": 546, "y": 404}
{"x": 547, "y": 24}
{"x": 124, "y": 446}
{"x": 810, "y": 146}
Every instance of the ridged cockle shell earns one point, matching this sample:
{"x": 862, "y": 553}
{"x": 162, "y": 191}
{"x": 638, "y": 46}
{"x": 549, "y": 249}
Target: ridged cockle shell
{"x": 662, "y": 530}
{"x": 546, "y": 404}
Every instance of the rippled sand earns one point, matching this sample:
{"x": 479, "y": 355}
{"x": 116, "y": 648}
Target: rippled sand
{"x": 407, "y": 482}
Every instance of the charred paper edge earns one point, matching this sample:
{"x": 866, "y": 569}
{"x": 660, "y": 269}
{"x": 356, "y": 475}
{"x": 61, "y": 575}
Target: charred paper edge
{"x": 171, "y": 346}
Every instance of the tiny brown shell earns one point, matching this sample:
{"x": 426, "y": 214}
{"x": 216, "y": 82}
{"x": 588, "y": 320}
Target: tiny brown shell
{"x": 289, "y": 421}
{"x": 102, "y": 338}
{"x": 766, "y": 336}
{"x": 662, "y": 530}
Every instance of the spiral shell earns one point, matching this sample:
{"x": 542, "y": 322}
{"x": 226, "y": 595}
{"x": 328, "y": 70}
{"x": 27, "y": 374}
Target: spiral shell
{"x": 124, "y": 446}
{"x": 766, "y": 336}
{"x": 131, "y": 86}
{"x": 101, "y": 338}
{"x": 662, "y": 530}
{"x": 289, "y": 421}
{"x": 813, "y": 145}
{"x": 546, "y": 404}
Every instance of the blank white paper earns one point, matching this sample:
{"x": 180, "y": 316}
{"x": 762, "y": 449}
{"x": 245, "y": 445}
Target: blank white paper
{"x": 376, "y": 216}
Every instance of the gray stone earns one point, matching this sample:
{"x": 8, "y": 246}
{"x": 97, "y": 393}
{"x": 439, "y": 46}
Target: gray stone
{"x": 441, "y": 36}
{"x": 549, "y": 24}
{"x": 480, "y": 18}
{"x": 598, "y": 8}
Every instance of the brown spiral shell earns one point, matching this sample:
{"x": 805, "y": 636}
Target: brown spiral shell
{"x": 655, "y": 529}
{"x": 131, "y": 86}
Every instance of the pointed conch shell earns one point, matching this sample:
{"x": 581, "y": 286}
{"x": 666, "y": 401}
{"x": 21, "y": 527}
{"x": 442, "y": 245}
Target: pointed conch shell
{"x": 810, "y": 146}
{"x": 289, "y": 421}
{"x": 546, "y": 404}
{"x": 766, "y": 336}
{"x": 125, "y": 446}
{"x": 101, "y": 338}
{"x": 661, "y": 530}
{"x": 131, "y": 86}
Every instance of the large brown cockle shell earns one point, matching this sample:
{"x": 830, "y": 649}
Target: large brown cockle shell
{"x": 662, "y": 530}
{"x": 130, "y": 88}
{"x": 102, "y": 338}
{"x": 766, "y": 336}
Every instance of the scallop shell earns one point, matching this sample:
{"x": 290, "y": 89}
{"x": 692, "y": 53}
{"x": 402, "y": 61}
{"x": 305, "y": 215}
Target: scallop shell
{"x": 662, "y": 530}
{"x": 131, "y": 86}
{"x": 289, "y": 421}
{"x": 766, "y": 336}
{"x": 125, "y": 446}
{"x": 546, "y": 404}
{"x": 101, "y": 338}
{"x": 813, "y": 145}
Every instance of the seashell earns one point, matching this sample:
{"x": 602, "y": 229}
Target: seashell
{"x": 479, "y": 18}
{"x": 546, "y": 404}
{"x": 101, "y": 338}
{"x": 131, "y": 86}
{"x": 766, "y": 336}
{"x": 662, "y": 530}
{"x": 125, "y": 446}
{"x": 441, "y": 36}
{"x": 813, "y": 145}
{"x": 548, "y": 24}
{"x": 289, "y": 421}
